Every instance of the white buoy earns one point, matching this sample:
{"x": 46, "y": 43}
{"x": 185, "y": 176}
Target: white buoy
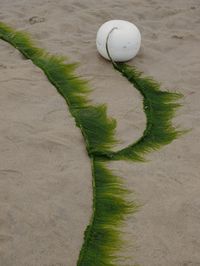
{"x": 123, "y": 40}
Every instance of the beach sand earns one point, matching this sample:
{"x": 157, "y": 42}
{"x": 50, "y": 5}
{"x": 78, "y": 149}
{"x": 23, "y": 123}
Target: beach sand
{"x": 45, "y": 176}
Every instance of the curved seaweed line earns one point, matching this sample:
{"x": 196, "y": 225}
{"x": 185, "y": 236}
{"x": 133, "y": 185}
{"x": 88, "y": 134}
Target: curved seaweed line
{"x": 110, "y": 205}
{"x": 159, "y": 107}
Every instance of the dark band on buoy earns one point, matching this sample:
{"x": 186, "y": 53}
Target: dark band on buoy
{"x": 107, "y": 49}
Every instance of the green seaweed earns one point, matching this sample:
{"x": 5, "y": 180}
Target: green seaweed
{"x": 102, "y": 237}
{"x": 97, "y": 129}
{"x": 159, "y": 107}
{"x": 111, "y": 206}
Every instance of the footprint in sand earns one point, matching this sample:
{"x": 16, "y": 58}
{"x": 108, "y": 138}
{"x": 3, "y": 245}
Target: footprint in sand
{"x": 36, "y": 19}
{"x": 2, "y": 66}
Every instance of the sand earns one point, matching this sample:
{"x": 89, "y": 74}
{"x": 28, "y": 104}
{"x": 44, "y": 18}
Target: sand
{"x": 45, "y": 176}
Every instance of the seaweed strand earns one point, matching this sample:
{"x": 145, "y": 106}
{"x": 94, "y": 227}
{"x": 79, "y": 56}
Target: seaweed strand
{"x": 102, "y": 238}
{"x": 110, "y": 205}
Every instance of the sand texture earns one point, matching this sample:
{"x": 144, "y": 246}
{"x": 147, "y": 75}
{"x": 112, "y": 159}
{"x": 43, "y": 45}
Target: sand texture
{"x": 45, "y": 176}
